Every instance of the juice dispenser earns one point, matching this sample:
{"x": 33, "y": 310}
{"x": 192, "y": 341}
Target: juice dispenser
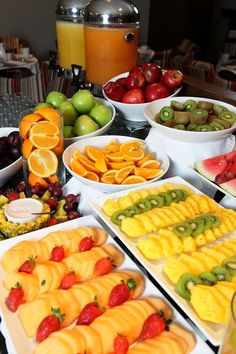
{"x": 111, "y": 38}
{"x": 70, "y": 32}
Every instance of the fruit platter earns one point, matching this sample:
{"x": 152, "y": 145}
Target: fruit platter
{"x": 35, "y": 297}
{"x": 182, "y": 238}
{"x": 219, "y": 171}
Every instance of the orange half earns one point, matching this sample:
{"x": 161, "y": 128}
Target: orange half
{"x": 43, "y": 163}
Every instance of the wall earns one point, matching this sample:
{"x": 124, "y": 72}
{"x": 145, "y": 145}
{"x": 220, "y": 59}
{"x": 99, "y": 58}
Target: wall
{"x": 34, "y": 22}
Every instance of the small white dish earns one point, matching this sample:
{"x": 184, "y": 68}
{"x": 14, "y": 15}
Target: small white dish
{"x": 22, "y": 210}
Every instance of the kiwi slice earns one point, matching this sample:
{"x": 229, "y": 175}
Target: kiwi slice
{"x": 230, "y": 265}
{"x": 133, "y": 210}
{"x": 223, "y": 122}
{"x": 156, "y": 201}
{"x": 208, "y": 221}
{"x": 221, "y": 273}
{"x": 216, "y": 125}
{"x": 166, "y": 113}
{"x": 120, "y": 215}
{"x": 185, "y": 194}
{"x": 205, "y": 105}
{"x": 204, "y": 128}
{"x": 157, "y": 118}
{"x": 208, "y": 278}
{"x": 190, "y": 105}
{"x": 176, "y": 195}
{"x": 216, "y": 220}
{"x": 182, "y": 229}
{"x": 217, "y": 109}
{"x": 177, "y": 106}
{"x": 167, "y": 198}
{"x": 197, "y": 226}
{"x": 179, "y": 126}
{"x": 144, "y": 204}
{"x": 199, "y": 116}
{"x": 181, "y": 117}
{"x": 185, "y": 283}
{"x": 191, "y": 127}
{"x": 228, "y": 116}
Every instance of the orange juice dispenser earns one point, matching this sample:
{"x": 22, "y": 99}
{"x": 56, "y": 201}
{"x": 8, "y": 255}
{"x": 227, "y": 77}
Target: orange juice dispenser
{"x": 70, "y": 32}
{"x": 111, "y": 38}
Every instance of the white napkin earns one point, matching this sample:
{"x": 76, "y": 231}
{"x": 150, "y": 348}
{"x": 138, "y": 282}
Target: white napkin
{"x": 184, "y": 154}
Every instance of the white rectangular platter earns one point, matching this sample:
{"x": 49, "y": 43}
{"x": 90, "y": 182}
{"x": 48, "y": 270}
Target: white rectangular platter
{"x": 18, "y": 343}
{"x": 212, "y": 183}
{"x": 213, "y": 332}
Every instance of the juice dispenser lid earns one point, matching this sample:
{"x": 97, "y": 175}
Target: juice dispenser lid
{"x": 111, "y": 12}
{"x": 71, "y": 10}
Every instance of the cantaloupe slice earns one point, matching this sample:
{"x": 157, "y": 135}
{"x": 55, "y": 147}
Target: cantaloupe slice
{"x": 73, "y": 300}
{"x": 28, "y": 282}
{"x": 98, "y": 337}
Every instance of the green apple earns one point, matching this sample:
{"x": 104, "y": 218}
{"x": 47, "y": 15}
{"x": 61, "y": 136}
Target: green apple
{"x": 55, "y": 98}
{"x": 101, "y": 114}
{"x": 42, "y": 105}
{"x": 68, "y": 131}
{"x": 85, "y": 125}
{"x": 69, "y": 112}
{"x": 83, "y": 101}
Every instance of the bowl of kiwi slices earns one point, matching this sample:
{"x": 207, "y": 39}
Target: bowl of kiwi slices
{"x": 192, "y": 119}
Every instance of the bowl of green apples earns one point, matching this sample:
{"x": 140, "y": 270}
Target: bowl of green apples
{"x": 84, "y": 115}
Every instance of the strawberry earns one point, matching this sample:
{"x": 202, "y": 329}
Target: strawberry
{"x": 28, "y": 265}
{"x": 103, "y": 266}
{"x": 121, "y": 345}
{"x": 68, "y": 281}
{"x": 51, "y": 222}
{"x": 121, "y": 292}
{"x": 154, "y": 325}
{"x": 15, "y": 298}
{"x": 89, "y": 313}
{"x": 49, "y": 324}
{"x": 13, "y": 196}
{"x": 86, "y": 244}
{"x": 57, "y": 253}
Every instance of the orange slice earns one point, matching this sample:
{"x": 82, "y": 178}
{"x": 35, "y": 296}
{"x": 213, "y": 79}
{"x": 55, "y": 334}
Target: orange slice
{"x": 77, "y": 167}
{"x": 27, "y": 122}
{"x": 134, "y": 179}
{"x": 134, "y": 155}
{"x": 43, "y": 163}
{"x": 148, "y": 173}
{"x": 94, "y": 153}
{"x": 151, "y": 164}
{"x": 115, "y": 156}
{"x": 88, "y": 164}
{"x": 131, "y": 145}
{"x": 44, "y": 135}
{"x": 33, "y": 180}
{"x": 123, "y": 173}
{"x": 109, "y": 177}
{"x": 92, "y": 176}
{"x": 59, "y": 148}
{"x": 50, "y": 114}
{"x": 53, "y": 179}
{"x": 150, "y": 156}
{"x": 113, "y": 146}
{"x": 101, "y": 165}
{"x": 119, "y": 165}
{"x": 26, "y": 148}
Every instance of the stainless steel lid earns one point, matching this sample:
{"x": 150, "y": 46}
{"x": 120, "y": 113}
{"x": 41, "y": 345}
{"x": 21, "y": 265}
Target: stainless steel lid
{"x": 71, "y": 10}
{"x": 111, "y": 12}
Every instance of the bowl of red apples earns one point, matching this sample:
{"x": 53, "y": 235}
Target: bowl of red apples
{"x": 131, "y": 91}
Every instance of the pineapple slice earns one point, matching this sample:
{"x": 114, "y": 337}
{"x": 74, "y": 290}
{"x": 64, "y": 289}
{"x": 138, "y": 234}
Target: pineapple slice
{"x": 110, "y": 206}
{"x": 132, "y": 227}
{"x": 150, "y": 248}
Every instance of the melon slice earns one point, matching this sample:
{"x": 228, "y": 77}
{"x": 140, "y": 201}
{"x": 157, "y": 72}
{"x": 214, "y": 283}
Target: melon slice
{"x": 229, "y": 186}
{"x": 213, "y": 166}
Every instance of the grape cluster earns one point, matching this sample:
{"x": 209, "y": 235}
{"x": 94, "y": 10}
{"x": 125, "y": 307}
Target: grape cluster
{"x": 10, "y": 149}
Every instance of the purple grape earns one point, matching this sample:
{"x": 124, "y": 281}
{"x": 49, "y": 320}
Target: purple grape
{"x": 75, "y": 205}
{"x": 14, "y": 152}
{"x": 21, "y": 187}
{"x": 71, "y": 198}
{"x": 4, "y": 140}
{"x": 68, "y": 206}
{"x": 36, "y": 189}
{"x": 3, "y": 149}
{"x": 51, "y": 187}
{"x": 57, "y": 192}
{"x": 14, "y": 138}
{"x": 73, "y": 215}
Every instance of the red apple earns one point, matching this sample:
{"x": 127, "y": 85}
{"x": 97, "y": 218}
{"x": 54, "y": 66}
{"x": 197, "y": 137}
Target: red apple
{"x": 151, "y": 72}
{"x": 155, "y": 92}
{"x": 172, "y": 79}
{"x": 122, "y": 81}
{"x": 134, "y": 96}
{"x": 114, "y": 91}
{"x": 135, "y": 69}
{"x": 135, "y": 81}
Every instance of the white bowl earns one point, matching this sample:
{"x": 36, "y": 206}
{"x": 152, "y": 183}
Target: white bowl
{"x": 133, "y": 112}
{"x": 7, "y": 172}
{"x": 100, "y": 142}
{"x": 101, "y": 131}
{"x": 153, "y": 108}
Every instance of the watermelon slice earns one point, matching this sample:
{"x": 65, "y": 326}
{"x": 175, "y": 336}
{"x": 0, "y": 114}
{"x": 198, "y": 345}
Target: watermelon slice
{"x": 229, "y": 186}
{"x": 213, "y": 166}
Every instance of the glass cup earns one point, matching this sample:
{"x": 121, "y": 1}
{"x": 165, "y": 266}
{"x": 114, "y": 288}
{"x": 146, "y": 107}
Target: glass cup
{"x": 229, "y": 342}
{"x": 42, "y": 146}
